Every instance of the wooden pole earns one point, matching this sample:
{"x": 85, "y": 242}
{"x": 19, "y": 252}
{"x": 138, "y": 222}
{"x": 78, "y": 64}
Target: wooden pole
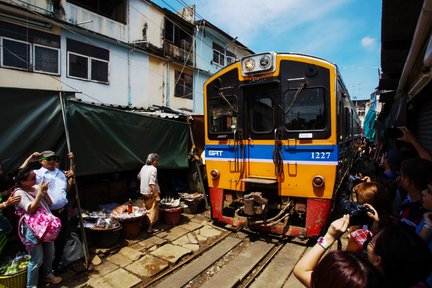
{"x": 83, "y": 235}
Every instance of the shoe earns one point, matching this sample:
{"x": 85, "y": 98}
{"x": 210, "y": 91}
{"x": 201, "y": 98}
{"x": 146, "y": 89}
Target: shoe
{"x": 53, "y": 279}
{"x": 152, "y": 231}
{"x": 60, "y": 269}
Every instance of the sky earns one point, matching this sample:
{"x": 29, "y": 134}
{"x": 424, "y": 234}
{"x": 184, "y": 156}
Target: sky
{"x": 344, "y": 32}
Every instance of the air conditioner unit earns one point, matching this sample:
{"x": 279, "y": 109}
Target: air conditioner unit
{"x": 419, "y": 85}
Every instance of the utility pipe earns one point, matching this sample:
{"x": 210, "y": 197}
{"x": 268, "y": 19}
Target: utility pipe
{"x": 422, "y": 32}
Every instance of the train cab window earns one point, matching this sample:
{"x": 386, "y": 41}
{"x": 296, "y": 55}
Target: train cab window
{"x": 305, "y": 109}
{"x": 261, "y": 107}
{"x": 222, "y": 115}
{"x": 262, "y": 114}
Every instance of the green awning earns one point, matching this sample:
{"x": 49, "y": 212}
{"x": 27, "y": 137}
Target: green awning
{"x": 103, "y": 139}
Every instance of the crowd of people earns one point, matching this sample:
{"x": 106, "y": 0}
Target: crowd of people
{"x": 392, "y": 246}
{"x": 39, "y": 189}
{"x": 39, "y": 193}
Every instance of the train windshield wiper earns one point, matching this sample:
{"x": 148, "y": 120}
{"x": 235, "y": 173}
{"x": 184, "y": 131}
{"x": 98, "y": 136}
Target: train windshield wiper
{"x": 299, "y": 89}
{"x": 220, "y": 93}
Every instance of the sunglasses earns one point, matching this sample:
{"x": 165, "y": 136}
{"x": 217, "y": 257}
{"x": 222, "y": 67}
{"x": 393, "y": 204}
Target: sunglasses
{"x": 51, "y": 158}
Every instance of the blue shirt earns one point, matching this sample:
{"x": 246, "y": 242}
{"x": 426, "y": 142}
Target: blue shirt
{"x": 57, "y": 186}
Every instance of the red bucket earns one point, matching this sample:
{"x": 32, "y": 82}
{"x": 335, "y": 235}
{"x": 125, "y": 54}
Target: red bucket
{"x": 171, "y": 216}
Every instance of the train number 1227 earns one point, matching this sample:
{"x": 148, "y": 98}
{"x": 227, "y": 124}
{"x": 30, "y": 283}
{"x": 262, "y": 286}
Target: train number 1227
{"x": 320, "y": 155}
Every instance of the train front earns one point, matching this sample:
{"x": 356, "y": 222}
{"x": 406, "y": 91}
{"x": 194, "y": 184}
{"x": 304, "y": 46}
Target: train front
{"x": 271, "y": 153}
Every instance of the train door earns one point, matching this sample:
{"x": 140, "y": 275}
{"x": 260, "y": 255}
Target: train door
{"x": 260, "y": 122}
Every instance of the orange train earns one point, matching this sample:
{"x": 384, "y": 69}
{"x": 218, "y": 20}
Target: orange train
{"x": 281, "y": 134}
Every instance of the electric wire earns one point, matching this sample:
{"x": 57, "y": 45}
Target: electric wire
{"x": 80, "y": 36}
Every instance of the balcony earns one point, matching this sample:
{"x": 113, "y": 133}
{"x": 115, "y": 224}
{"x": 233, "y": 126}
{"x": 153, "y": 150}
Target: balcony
{"x": 182, "y": 54}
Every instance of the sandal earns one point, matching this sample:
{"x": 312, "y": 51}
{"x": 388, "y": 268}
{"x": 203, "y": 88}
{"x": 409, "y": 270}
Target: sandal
{"x": 53, "y": 279}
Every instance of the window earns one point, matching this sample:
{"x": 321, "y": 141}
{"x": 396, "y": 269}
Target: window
{"x": 113, "y": 9}
{"x": 30, "y": 50}
{"x": 220, "y": 54}
{"x": 31, "y": 57}
{"x": 87, "y": 62}
{"x": 179, "y": 36}
{"x": 222, "y": 105}
{"x": 184, "y": 85}
{"x": 261, "y": 109}
{"x": 46, "y": 59}
{"x": 231, "y": 57}
{"x": 305, "y": 109}
{"x": 16, "y": 54}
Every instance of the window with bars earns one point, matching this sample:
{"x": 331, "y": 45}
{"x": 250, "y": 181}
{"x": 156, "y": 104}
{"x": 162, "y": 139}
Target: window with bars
{"x": 222, "y": 56}
{"x": 184, "y": 85}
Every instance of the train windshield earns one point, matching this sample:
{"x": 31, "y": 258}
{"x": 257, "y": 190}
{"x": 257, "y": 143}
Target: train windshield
{"x": 305, "y": 111}
{"x": 223, "y": 114}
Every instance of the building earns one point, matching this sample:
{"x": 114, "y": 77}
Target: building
{"x": 131, "y": 53}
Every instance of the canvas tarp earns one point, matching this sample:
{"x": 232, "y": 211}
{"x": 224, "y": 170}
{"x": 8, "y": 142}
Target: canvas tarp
{"x": 103, "y": 139}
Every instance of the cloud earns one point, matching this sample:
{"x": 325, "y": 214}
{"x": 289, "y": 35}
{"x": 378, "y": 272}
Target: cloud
{"x": 368, "y": 42}
{"x": 250, "y": 19}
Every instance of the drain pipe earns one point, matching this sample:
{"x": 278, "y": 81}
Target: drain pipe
{"x": 168, "y": 83}
{"x": 421, "y": 34}
{"x": 129, "y": 77}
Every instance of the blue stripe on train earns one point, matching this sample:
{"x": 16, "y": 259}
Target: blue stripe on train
{"x": 320, "y": 153}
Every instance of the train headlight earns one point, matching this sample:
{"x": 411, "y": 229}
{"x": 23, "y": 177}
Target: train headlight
{"x": 318, "y": 181}
{"x": 214, "y": 174}
{"x": 265, "y": 62}
{"x": 259, "y": 64}
{"x": 249, "y": 64}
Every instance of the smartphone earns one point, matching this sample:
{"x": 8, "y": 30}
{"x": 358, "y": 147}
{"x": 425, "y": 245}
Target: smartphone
{"x": 394, "y": 132}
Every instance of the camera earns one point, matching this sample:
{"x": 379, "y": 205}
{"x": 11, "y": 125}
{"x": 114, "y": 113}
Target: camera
{"x": 357, "y": 212}
{"x": 394, "y": 132}
{"x": 354, "y": 180}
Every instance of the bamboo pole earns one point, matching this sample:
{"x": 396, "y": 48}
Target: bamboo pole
{"x": 83, "y": 235}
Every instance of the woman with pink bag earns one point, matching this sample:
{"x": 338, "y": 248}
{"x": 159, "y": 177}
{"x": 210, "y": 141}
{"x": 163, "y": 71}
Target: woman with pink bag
{"x": 33, "y": 200}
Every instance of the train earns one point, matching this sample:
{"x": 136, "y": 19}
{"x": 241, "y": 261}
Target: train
{"x": 281, "y": 133}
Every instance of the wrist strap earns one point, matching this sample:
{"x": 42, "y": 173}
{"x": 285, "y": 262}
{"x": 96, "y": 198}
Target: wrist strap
{"x": 323, "y": 243}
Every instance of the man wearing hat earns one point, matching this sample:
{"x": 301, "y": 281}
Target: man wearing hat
{"x": 57, "y": 190}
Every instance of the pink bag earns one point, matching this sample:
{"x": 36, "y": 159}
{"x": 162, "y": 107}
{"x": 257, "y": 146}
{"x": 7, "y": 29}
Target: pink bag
{"x": 44, "y": 225}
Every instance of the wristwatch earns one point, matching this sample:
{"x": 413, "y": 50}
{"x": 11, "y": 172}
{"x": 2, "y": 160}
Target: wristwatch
{"x": 323, "y": 243}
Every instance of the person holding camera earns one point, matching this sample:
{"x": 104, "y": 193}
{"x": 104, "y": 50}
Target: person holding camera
{"x": 408, "y": 137}
{"x": 337, "y": 268}
{"x": 370, "y": 214}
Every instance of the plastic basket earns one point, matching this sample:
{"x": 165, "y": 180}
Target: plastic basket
{"x": 17, "y": 280}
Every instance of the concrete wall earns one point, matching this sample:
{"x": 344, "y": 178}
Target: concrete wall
{"x": 100, "y": 24}
{"x": 126, "y": 83}
{"x": 140, "y": 13}
{"x": 156, "y": 88}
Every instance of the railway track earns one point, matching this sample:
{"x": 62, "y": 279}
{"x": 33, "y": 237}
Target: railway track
{"x": 237, "y": 260}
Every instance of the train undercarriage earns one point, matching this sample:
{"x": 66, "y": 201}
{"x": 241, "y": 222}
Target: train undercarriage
{"x": 263, "y": 210}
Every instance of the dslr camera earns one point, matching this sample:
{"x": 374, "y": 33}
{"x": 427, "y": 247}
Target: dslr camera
{"x": 357, "y": 212}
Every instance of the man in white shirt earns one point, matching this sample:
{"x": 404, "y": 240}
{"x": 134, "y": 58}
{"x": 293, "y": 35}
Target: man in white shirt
{"x": 57, "y": 190}
{"x": 150, "y": 190}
